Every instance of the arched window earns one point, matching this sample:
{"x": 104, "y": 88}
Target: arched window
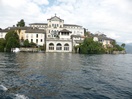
{"x": 58, "y": 46}
{"x": 66, "y": 47}
{"x": 51, "y": 46}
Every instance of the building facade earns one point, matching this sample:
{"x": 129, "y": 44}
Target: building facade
{"x": 106, "y": 42}
{"x": 59, "y": 36}
{"x": 27, "y": 33}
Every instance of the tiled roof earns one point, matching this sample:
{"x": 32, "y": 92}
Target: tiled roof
{"x": 22, "y": 28}
{"x": 65, "y": 30}
{"x": 15, "y": 28}
{"x": 38, "y": 24}
{"x": 28, "y": 29}
{"x": 72, "y": 25}
{"x": 4, "y": 30}
{"x": 103, "y": 37}
{"x": 35, "y": 31}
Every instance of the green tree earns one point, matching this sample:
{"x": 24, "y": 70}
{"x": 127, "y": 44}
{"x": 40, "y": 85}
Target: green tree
{"x": 117, "y": 47}
{"x": 26, "y": 43}
{"x": 32, "y": 44}
{"x": 12, "y": 43}
{"x": 2, "y": 44}
{"x": 123, "y": 45}
{"x": 12, "y": 40}
{"x": 21, "y": 23}
{"x": 91, "y": 47}
{"x": 11, "y": 34}
{"x": 113, "y": 43}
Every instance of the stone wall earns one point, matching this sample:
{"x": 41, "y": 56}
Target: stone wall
{"x": 29, "y": 49}
{"x": 119, "y": 52}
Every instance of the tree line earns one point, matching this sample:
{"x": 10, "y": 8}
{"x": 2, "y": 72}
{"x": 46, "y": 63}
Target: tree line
{"x": 92, "y": 47}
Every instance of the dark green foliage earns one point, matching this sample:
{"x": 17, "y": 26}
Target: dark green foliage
{"x": 12, "y": 43}
{"x": 118, "y": 48}
{"x": 11, "y": 34}
{"x": 2, "y": 44}
{"x": 21, "y": 23}
{"x": 26, "y": 43}
{"x": 32, "y": 44}
{"x": 42, "y": 48}
{"x": 123, "y": 45}
{"x": 91, "y": 47}
{"x": 12, "y": 40}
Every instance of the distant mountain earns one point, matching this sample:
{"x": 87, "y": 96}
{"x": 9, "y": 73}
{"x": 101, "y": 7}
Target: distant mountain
{"x": 128, "y": 48}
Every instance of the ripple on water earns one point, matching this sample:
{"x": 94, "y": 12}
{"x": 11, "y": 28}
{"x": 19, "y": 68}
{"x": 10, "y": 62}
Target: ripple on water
{"x": 67, "y": 75}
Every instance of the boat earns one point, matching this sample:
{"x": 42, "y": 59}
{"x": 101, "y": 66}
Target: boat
{"x": 16, "y": 50}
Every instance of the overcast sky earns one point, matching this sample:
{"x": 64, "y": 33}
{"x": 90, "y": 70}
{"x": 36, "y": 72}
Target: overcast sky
{"x": 112, "y": 17}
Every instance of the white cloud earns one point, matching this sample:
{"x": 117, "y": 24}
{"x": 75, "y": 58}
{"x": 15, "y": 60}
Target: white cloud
{"x": 41, "y": 2}
{"x": 113, "y": 17}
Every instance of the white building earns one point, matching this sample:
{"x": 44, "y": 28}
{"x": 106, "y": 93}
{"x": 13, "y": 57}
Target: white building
{"x": 106, "y": 42}
{"x": 59, "y": 36}
{"x": 32, "y": 34}
{"x": 35, "y": 35}
{"x": 3, "y": 33}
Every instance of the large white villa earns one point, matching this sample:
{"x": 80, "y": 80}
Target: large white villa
{"x": 60, "y": 37}
{"x": 57, "y": 36}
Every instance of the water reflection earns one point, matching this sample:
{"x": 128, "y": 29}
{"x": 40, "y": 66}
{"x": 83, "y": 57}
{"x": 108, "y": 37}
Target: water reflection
{"x": 67, "y": 75}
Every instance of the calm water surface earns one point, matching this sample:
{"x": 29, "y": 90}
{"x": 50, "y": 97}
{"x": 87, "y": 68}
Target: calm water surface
{"x": 66, "y": 76}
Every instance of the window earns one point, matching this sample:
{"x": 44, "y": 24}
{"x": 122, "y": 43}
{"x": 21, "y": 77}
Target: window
{"x": 58, "y": 46}
{"x": 100, "y": 40}
{"x": 55, "y": 26}
{"x": 48, "y": 35}
{"x": 36, "y": 40}
{"x": 107, "y": 42}
{"x": 36, "y": 35}
{"x": 41, "y": 40}
{"x": 31, "y": 40}
{"x": 66, "y": 47}
{"x": 51, "y": 46}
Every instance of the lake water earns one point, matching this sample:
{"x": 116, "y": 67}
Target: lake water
{"x": 65, "y": 76}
